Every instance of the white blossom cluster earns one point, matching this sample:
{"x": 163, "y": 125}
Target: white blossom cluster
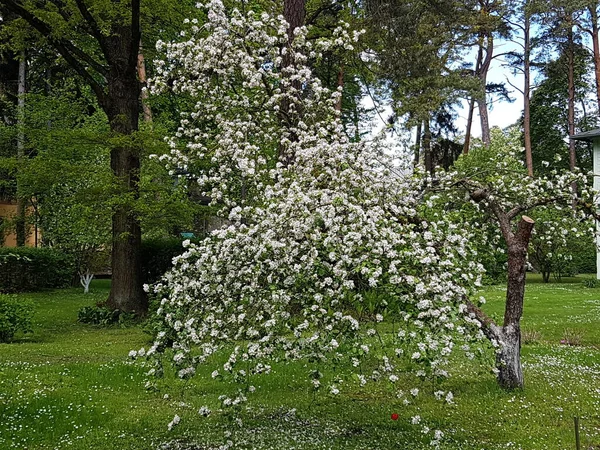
{"x": 323, "y": 257}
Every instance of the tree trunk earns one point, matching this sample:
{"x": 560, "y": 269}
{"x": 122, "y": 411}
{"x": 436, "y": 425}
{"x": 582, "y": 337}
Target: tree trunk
{"x": 510, "y": 375}
{"x": 428, "y": 157}
{"x": 293, "y": 12}
{"x": 122, "y": 109}
{"x": 484, "y": 120}
{"x": 141, "y": 69}
{"x": 571, "y": 100}
{"x": 596, "y": 47}
{"x": 340, "y": 84}
{"x": 482, "y": 99}
{"x": 469, "y": 125}
{"x": 526, "y": 93}
{"x": 418, "y": 144}
{"x": 20, "y": 223}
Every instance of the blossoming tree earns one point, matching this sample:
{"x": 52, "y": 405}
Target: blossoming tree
{"x": 323, "y": 256}
{"x": 494, "y": 184}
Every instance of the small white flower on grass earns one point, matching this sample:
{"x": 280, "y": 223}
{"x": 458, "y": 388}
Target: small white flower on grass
{"x": 173, "y": 423}
{"x": 204, "y": 411}
{"x": 415, "y": 420}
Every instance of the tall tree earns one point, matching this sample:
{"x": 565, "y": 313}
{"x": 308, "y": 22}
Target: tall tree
{"x": 520, "y": 62}
{"x": 21, "y": 226}
{"x": 418, "y": 47}
{"x": 109, "y": 66}
{"x": 551, "y": 120}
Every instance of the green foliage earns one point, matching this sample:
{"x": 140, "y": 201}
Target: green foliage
{"x": 549, "y": 114}
{"x": 157, "y": 257}
{"x": 100, "y": 315}
{"x": 15, "y": 316}
{"x": 31, "y": 269}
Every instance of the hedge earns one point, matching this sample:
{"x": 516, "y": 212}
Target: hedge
{"x": 25, "y": 269}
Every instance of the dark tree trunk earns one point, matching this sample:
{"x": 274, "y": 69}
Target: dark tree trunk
{"x": 293, "y": 12}
{"x": 428, "y": 156}
{"x": 20, "y": 222}
{"x": 113, "y": 79}
{"x": 122, "y": 108}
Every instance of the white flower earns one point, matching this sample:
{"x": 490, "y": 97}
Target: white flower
{"x": 174, "y": 422}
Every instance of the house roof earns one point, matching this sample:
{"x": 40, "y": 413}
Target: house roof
{"x": 589, "y": 136}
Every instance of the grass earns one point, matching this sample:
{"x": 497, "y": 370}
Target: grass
{"x": 70, "y": 386}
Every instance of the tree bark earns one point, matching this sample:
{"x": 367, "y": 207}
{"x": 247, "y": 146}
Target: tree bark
{"x": 482, "y": 99}
{"x": 571, "y": 98}
{"x": 293, "y": 12}
{"x": 596, "y": 49}
{"x": 508, "y": 356}
{"x": 141, "y": 69}
{"x": 510, "y": 375}
{"x": 467, "y": 144}
{"x": 526, "y": 92}
{"x": 340, "y": 84}
{"x": 428, "y": 157}
{"x": 20, "y": 222}
{"x": 122, "y": 108}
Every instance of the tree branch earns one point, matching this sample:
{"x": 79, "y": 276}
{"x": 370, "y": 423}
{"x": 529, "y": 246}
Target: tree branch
{"x": 93, "y": 25}
{"x": 63, "y": 46}
{"x": 488, "y": 326}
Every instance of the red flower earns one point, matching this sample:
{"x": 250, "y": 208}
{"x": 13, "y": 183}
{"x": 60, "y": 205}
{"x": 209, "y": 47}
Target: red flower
{"x": 395, "y": 416}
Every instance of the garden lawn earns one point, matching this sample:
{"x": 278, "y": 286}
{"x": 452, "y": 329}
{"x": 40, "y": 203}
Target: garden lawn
{"x": 71, "y": 386}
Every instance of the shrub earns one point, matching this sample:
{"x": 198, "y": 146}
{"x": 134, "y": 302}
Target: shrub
{"x": 100, "y": 315}
{"x": 32, "y": 269}
{"x": 157, "y": 257}
{"x": 14, "y": 316}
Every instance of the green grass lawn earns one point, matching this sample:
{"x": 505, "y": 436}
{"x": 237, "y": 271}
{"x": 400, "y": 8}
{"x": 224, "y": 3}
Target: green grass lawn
{"x": 70, "y": 386}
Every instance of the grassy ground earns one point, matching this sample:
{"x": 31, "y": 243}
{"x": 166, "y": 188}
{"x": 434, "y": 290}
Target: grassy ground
{"x": 70, "y": 386}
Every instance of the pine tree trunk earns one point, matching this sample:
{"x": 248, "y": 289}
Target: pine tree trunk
{"x": 571, "y": 99}
{"x": 596, "y": 48}
{"x": 20, "y": 223}
{"x": 418, "y": 144}
{"x": 526, "y": 94}
{"x": 469, "y": 125}
{"x": 482, "y": 99}
{"x": 428, "y": 157}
